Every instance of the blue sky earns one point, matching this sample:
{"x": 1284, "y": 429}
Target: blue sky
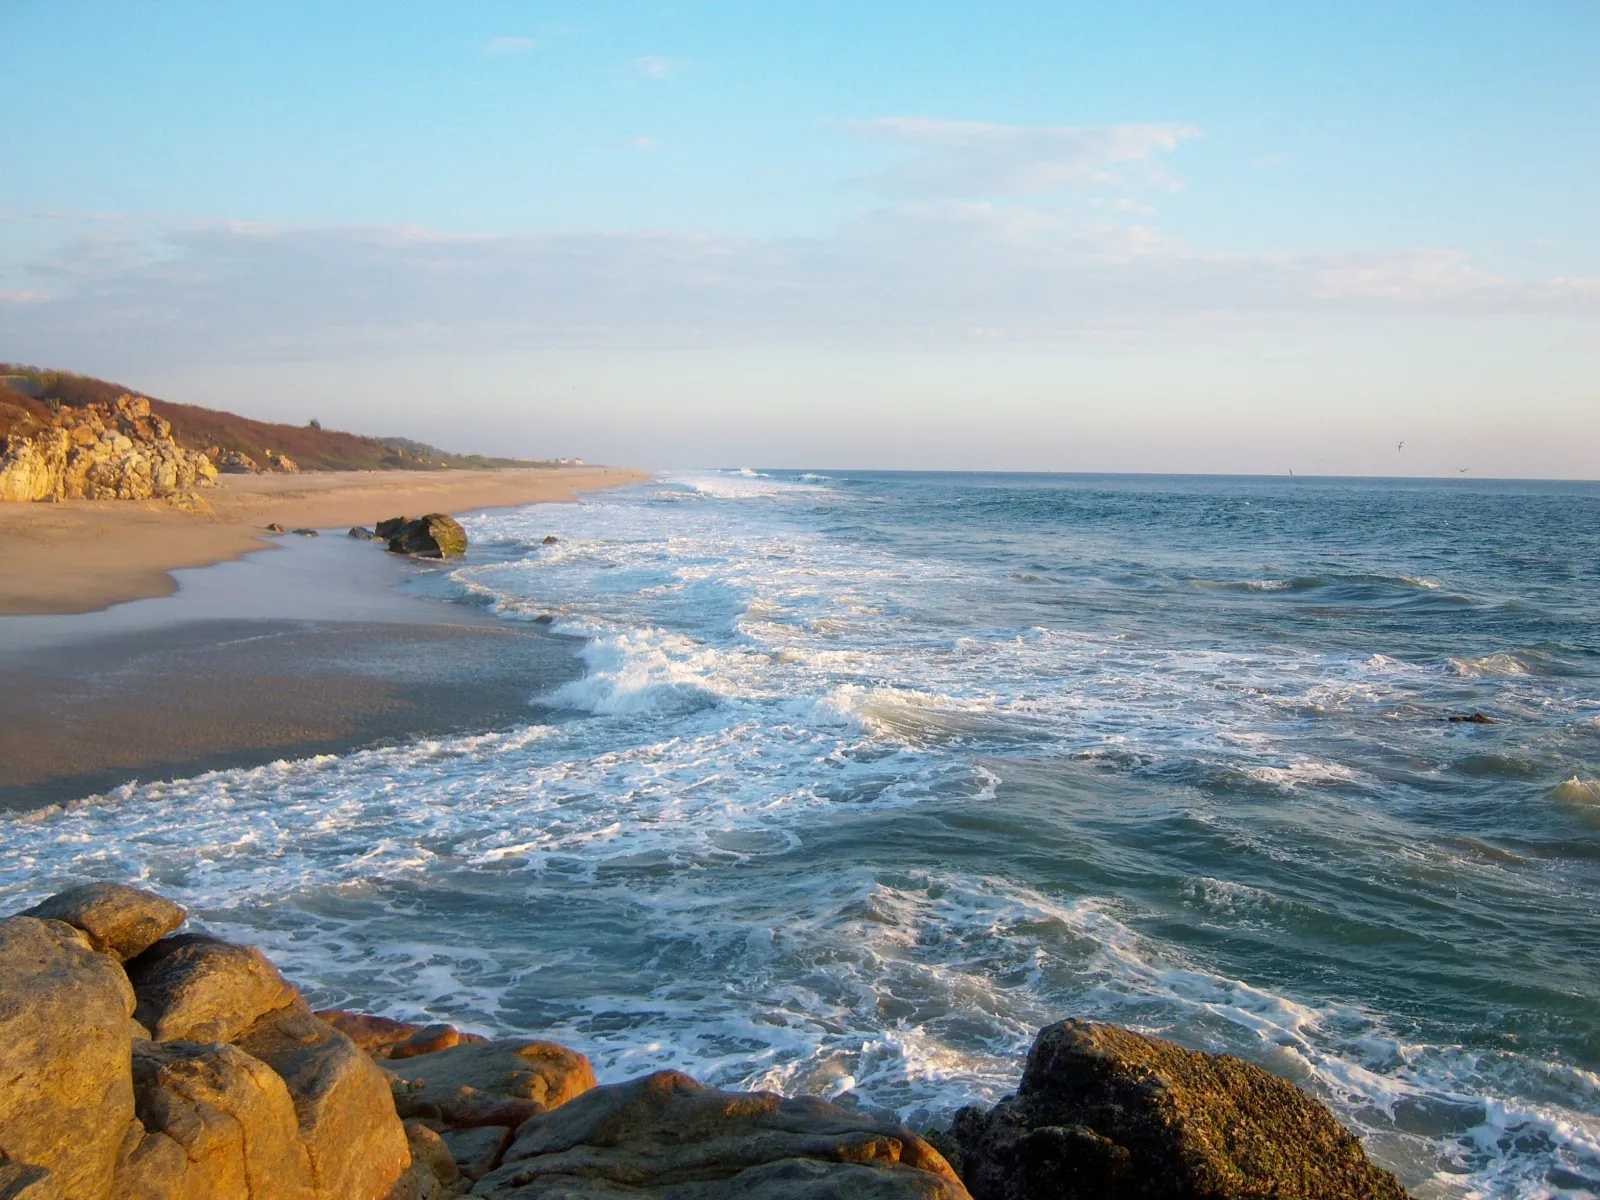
{"x": 1141, "y": 236}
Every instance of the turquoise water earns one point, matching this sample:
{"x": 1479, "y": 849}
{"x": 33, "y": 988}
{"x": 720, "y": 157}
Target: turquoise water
{"x": 870, "y": 775}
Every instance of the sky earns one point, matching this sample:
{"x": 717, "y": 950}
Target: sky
{"x": 1208, "y": 237}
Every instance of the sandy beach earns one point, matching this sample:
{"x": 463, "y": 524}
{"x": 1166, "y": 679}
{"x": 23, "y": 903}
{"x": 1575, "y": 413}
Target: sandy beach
{"x": 82, "y": 555}
{"x": 311, "y": 646}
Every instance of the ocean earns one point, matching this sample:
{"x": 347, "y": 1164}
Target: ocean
{"x": 868, "y": 776}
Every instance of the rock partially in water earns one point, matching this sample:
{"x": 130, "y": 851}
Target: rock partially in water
{"x": 361, "y": 533}
{"x": 1104, "y": 1113}
{"x": 383, "y": 1037}
{"x": 667, "y": 1136}
{"x": 303, "y": 532}
{"x": 1476, "y": 718}
{"x": 502, "y": 1082}
{"x": 274, "y": 527}
{"x": 120, "y": 920}
{"x": 433, "y": 536}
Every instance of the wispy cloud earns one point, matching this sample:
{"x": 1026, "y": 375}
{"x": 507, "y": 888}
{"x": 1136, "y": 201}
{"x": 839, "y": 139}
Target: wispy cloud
{"x": 654, "y": 66}
{"x": 927, "y": 274}
{"x": 497, "y": 46}
{"x": 978, "y": 158}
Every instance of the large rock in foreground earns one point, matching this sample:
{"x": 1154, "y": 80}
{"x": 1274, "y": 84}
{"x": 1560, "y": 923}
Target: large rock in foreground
{"x": 120, "y": 920}
{"x": 488, "y": 1083}
{"x": 1107, "y": 1114}
{"x": 667, "y": 1136}
{"x": 198, "y": 988}
{"x": 433, "y": 536}
{"x": 214, "y": 1124}
{"x": 66, "y": 1094}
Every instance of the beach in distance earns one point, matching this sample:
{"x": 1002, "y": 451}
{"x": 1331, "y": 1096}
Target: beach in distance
{"x": 83, "y": 555}
{"x": 845, "y": 784}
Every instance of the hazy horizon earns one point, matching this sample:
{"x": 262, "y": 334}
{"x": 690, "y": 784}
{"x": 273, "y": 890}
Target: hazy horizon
{"x": 1238, "y": 240}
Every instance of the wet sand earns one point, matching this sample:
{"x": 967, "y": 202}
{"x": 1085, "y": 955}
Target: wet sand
{"x": 82, "y": 555}
{"x": 316, "y": 646}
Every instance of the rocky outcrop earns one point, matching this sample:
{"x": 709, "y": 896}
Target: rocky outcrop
{"x": 120, "y": 920}
{"x": 66, "y": 1093}
{"x": 213, "y": 1122}
{"x": 242, "y": 1094}
{"x": 119, "y": 451}
{"x": 137, "y": 1063}
{"x": 202, "y": 989}
{"x": 666, "y": 1135}
{"x": 488, "y": 1083}
{"x": 234, "y": 462}
{"x": 347, "y": 1122}
{"x": 382, "y": 1037}
{"x": 433, "y": 536}
{"x": 1104, "y": 1113}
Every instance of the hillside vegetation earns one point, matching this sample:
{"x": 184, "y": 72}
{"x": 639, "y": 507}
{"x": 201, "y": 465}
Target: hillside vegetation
{"x": 34, "y": 397}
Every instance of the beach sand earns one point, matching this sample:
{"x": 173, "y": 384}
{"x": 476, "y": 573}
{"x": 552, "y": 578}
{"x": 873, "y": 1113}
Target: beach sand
{"x": 286, "y": 648}
{"x": 82, "y": 555}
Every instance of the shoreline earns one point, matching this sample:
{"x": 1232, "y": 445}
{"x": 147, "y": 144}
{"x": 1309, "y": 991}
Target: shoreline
{"x": 81, "y": 556}
{"x": 292, "y": 648}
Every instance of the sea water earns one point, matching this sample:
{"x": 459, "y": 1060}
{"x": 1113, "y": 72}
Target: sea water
{"x": 869, "y": 776}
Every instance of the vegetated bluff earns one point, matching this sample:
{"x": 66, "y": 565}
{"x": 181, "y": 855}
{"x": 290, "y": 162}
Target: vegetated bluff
{"x": 32, "y": 400}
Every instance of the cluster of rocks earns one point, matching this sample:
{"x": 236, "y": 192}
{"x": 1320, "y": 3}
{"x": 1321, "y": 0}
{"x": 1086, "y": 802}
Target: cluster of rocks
{"x": 117, "y": 451}
{"x": 237, "y": 462}
{"x": 433, "y": 536}
{"x": 142, "y": 1063}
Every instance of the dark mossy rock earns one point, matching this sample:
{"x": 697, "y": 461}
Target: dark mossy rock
{"x": 387, "y": 529}
{"x": 1107, "y": 1114}
{"x": 433, "y": 536}
{"x": 305, "y": 532}
{"x": 549, "y": 540}
{"x": 361, "y": 533}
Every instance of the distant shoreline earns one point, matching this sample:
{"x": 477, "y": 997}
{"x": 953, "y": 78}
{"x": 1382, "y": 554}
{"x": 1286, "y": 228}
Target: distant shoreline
{"x": 82, "y": 556}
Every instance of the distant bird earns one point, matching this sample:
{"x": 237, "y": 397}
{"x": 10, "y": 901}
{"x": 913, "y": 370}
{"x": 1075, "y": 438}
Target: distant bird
{"x": 1291, "y": 470}
{"x": 1400, "y": 447}
{"x": 1462, "y": 470}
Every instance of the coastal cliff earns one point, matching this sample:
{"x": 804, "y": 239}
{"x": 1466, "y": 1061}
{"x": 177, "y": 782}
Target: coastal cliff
{"x": 115, "y": 451}
{"x": 138, "y": 1061}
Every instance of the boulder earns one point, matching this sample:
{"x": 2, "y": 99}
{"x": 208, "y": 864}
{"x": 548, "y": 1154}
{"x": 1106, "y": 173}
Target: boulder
{"x": 19, "y": 1182}
{"x": 361, "y": 533}
{"x": 433, "y": 536}
{"x": 1103, "y": 1113}
{"x": 429, "y": 1149}
{"x": 477, "y": 1151}
{"x": 347, "y": 1121}
{"x": 304, "y": 532}
{"x": 212, "y": 1123}
{"x": 488, "y": 1083}
{"x": 274, "y": 527}
{"x": 549, "y": 539}
{"x": 387, "y": 529}
{"x": 66, "y": 1095}
{"x": 667, "y": 1136}
{"x": 235, "y": 462}
{"x": 384, "y": 1038}
{"x": 198, "y": 988}
{"x": 120, "y": 920}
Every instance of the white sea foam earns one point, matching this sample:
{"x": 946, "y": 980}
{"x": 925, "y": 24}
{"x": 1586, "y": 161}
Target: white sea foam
{"x": 749, "y": 683}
